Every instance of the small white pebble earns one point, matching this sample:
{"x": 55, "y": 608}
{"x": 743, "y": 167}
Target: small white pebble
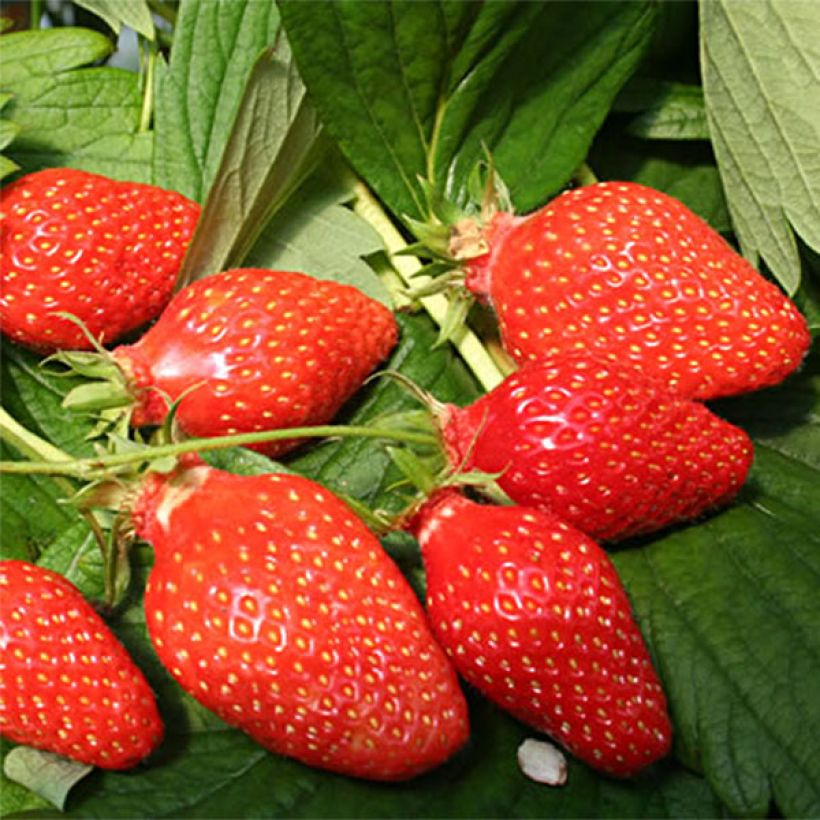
{"x": 542, "y": 762}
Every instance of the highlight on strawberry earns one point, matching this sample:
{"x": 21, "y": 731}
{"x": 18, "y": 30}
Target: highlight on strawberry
{"x": 67, "y": 685}
{"x": 533, "y": 614}
{"x": 244, "y": 350}
{"x": 284, "y": 615}
{"x": 607, "y": 450}
{"x": 105, "y": 251}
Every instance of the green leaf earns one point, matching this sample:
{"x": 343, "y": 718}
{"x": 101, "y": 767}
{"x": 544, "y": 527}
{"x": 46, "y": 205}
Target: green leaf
{"x": 33, "y": 394}
{"x": 731, "y": 610}
{"x": 32, "y": 513}
{"x": 48, "y": 775}
{"x": 48, "y": 52}
{"x": 225, "y": 775}
{"x": 314, "y": 233}
{"x": 216, "y": 43}
{"x": 271, "y": 146}
{"x": 665, "y": 111}
{"x": 543, "y": 106}
{"x": 7, "y": 167}
{"x": 764, "y": 116}
{"x": 75, "y": 554}
{"x": 68, "y": 116}
{"x": 135, "y": 14}
{"x": 419, "y": 90}
{"x": 8, "y": 131}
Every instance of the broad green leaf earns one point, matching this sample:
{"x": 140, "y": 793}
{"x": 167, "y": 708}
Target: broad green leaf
{"x": 731, "y": 610}
{"x": 8, "y": 131}
{"x": 222, "y": 773}
{"x": 686, "y": 171}
{"x": 70, "y": 116}
{"x": 49, "y": 52}
{"x": 543, "y": 106}
{"x": 32, "y": 513}
{"x": 760, "y": 63}
{"x": 17, "y": 798}
{"x": 269, "y": 149}
{"x": 83, "y": 119}
{"x": 419, "y": 90}
{"x": 664, "y": 110}
{"x": 7, "y": 167}
{"x": 216, "y": 43}
{"x": 75, "y": 554}
{"x": 33, "y": 394}
{"x": 135, "y": 14}
{"x": 48, "y": 775}
{"x": 314, "y": 233}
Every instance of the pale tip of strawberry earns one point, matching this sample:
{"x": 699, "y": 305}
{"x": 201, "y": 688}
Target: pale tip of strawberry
{"x": 542, "y": 762}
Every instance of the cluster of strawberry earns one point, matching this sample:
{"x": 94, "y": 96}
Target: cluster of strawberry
{"x": 270, "y": 601}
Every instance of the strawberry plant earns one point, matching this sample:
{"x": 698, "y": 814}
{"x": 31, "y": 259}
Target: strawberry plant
{"x": 345, "y": 141}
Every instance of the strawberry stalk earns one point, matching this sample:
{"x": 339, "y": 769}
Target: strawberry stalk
{"x": 56, "y": 463}
{"x": 475, "y": 354}
{"x": 32, "y": 446}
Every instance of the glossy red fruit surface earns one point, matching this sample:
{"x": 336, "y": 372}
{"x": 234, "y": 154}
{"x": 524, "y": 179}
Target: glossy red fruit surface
{"x": 255, "y": 350}
{"x": 106, "y": 251}
{"x": 66, "y": 683}
{"x": 533, "y": 614}
{"x": 608, "y": 451}
{"x": 275, "y": 607}
{"x": 630, "y": 273}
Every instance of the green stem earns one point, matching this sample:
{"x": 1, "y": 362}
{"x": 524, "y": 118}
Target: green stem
{"x": 103, "y": 466}
{"x": 32, "y": 446}
{"x": 148, "y": 89}
{"x": 164, "y": 10}
{"x": 466, "y": 342}
{"x": 26, "y": 442}
{"x": 585, "y": 175}
{"x": 35, "y": 14}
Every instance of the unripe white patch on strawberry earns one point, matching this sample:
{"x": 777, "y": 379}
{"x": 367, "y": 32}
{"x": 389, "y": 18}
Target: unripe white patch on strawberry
{"x": 177, "y": 494}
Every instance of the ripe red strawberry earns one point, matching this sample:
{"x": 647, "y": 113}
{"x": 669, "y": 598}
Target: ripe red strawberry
{"x": 532, "y": 613}
{"x": 607, "y": 450}
{"x": 275, "y": 607}
{"x": 106, "y": 251}
{"x": 630, "y": 273}
{"x": 256, "y": 350}
{"x": 66, "y": 684}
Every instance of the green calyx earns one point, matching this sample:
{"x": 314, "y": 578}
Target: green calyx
{"x": 109, "y": 385}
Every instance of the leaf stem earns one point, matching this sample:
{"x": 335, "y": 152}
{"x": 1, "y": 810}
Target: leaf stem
{"x": 466, "y": 342}
{"x": 105, "y": 465}
{"x": 164, "y": 10}
{"x": 32, "y": 446}
{"x": 584, "y": 175}
{"x": 147, "y": 111}
{"x": 26, "y": 442}
{"x": 35, "y": 14}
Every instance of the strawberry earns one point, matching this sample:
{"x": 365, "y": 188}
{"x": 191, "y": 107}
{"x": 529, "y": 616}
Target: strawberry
{"x": 284, "y": 616}
{"x": 106, "y": 251}
{"x": 532, "y": 613}
{"x": 254, "y": 350}
{"x": 632, "y": 274}
{"x": 607, "y": 450}
{"x": 66, "y": 684}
